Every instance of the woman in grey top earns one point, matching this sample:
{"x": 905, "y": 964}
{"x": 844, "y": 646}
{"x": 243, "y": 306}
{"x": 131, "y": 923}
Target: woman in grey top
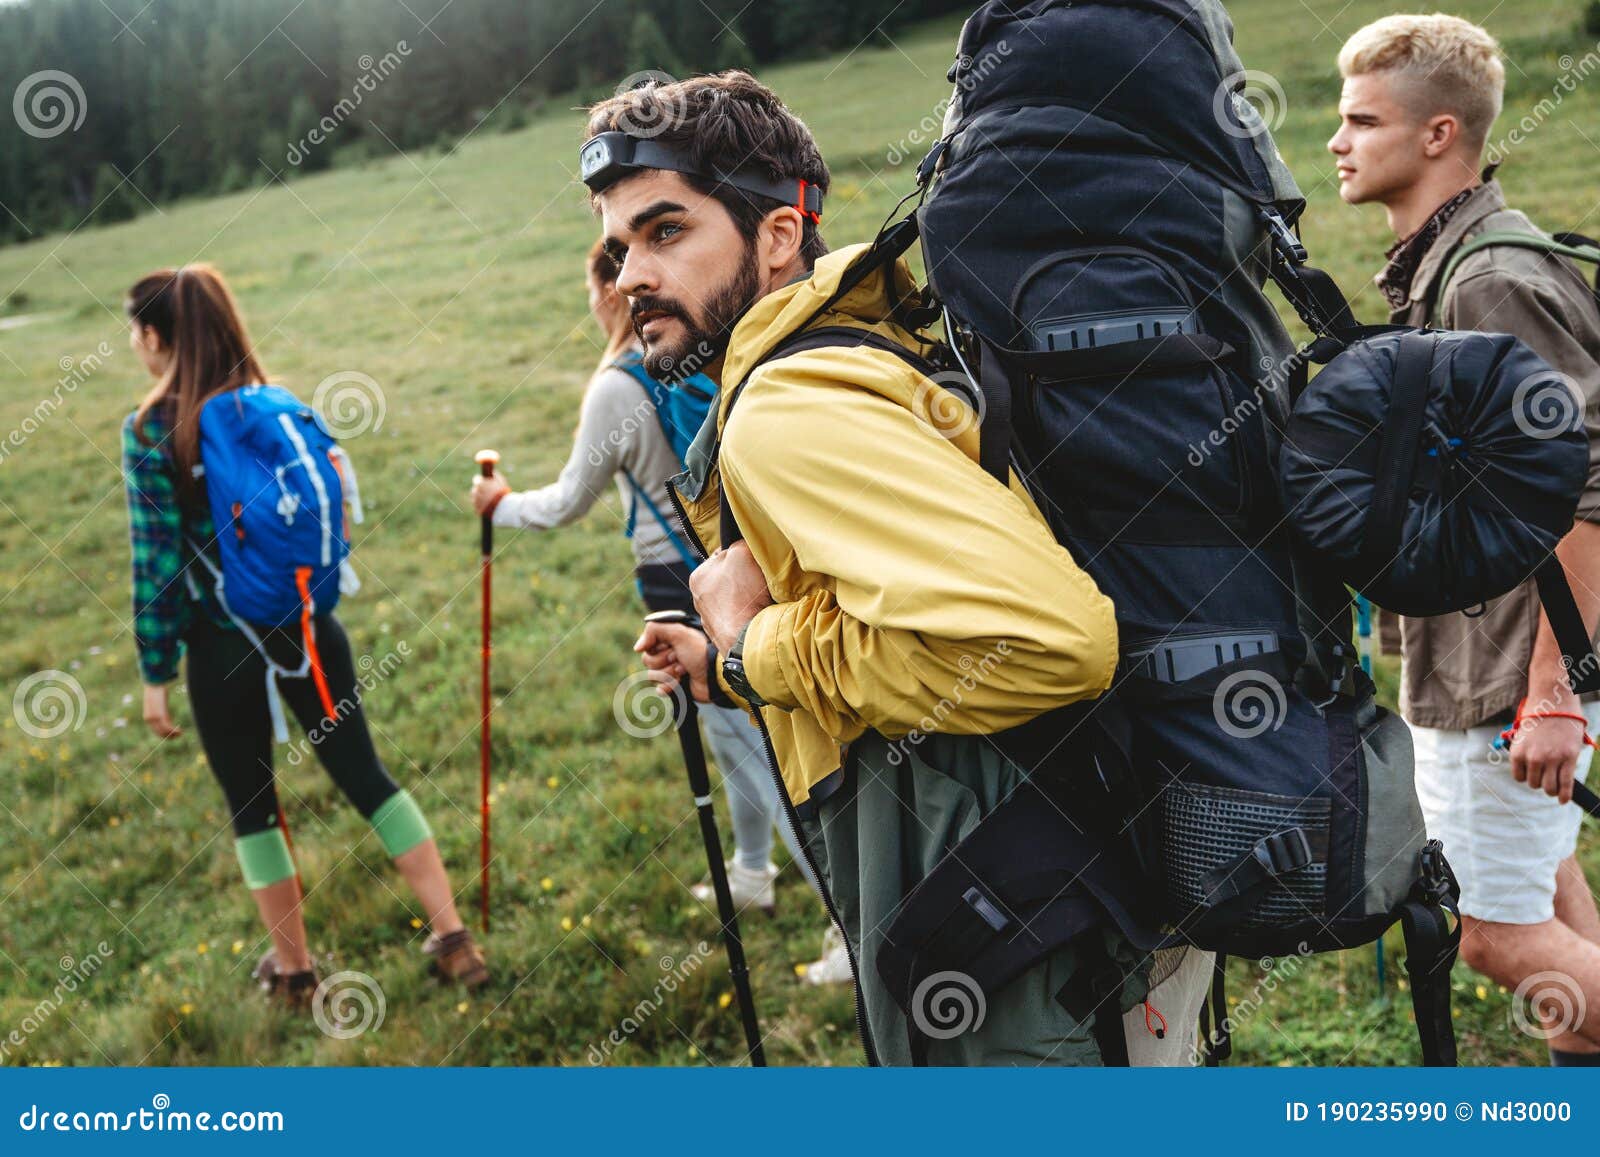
{"x": 620, "y": 438}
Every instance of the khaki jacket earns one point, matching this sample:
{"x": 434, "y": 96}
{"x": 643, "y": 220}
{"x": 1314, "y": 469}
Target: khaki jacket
{"x": 911, "y": 591}
{"x": 1459, "y": 671}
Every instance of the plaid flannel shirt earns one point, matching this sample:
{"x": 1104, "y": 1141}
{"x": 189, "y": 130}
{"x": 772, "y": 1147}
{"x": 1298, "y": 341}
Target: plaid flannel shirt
{"x": 166, "y": 596}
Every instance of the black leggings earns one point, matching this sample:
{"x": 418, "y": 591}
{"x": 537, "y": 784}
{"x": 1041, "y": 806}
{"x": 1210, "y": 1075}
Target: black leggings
{"x": 228, "y": 694}
{"x": 664, "y": 586}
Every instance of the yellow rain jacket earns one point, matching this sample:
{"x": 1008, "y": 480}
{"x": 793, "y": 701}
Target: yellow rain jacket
{"x": 911, "y": 591}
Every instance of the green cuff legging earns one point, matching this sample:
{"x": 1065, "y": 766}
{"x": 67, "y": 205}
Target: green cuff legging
{"x": 228, "y": 695}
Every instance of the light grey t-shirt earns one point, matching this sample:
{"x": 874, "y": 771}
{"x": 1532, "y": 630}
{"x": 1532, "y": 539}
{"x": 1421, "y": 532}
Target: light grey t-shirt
{"x": 618, "y": 430}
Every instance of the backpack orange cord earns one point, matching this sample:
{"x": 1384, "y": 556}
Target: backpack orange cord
{"x": 302, "y": 580}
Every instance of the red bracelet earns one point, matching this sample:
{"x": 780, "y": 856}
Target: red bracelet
{"x": 1509, "y": 733}
{"x": 1557, "y": 715}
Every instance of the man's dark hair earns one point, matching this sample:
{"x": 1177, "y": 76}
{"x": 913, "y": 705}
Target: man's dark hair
{"x": 726, "y": 121}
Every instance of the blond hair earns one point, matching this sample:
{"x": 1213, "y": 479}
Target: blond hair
{"x": 1447, "y": 64}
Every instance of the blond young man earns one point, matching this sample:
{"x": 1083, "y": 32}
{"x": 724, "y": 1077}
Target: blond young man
{"x": 1420, "y": 96}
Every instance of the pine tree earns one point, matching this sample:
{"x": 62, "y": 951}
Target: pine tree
{"x": 649, "y": 50}
{"x": 733, "y": 52}
{"x": 111, "y": 199}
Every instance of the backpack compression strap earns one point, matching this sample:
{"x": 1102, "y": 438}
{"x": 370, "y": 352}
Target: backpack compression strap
{"x": 1432, "y": 940}
{"x": 1398, "y": 444}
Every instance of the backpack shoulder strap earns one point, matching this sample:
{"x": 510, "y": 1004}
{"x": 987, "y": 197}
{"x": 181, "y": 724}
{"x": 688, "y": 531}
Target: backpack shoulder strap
{"x": 826, "y": 336}
{"x": 673, "y": 537}
{"x": 1570, "y": 245}
{"x": 633, "y": 366}
{"x": 655, "y": 392}
{"x": 1315, "y": 296}
{"x": 822, "y": 337}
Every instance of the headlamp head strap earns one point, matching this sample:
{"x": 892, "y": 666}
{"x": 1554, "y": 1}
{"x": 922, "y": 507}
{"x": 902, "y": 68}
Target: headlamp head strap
{"x": 608, "y": 157}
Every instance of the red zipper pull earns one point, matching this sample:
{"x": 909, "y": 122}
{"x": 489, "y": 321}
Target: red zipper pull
{"x": 1158, "y": 1028}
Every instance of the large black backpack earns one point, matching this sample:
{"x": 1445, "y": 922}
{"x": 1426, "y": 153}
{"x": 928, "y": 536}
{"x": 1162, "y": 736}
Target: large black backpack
{"x": 1100, "y": 217}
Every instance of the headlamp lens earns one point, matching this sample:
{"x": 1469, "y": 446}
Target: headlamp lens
{"x": 596, "y": 155}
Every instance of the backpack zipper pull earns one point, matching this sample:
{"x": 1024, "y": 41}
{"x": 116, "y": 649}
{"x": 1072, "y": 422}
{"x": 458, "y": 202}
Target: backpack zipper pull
{"x": 1158, "y": 1026}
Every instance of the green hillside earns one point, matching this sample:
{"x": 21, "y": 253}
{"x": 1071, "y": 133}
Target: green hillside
{"x": 452, "y": 282}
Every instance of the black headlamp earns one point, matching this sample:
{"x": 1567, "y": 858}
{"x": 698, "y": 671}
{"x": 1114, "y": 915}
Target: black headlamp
{"x": 607, "y": 158}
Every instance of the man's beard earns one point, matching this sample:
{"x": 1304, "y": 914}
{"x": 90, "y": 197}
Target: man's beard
{"x": 704, "y": 342}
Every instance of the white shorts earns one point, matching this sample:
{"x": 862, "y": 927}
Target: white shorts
{"x": 1503, "y": 838}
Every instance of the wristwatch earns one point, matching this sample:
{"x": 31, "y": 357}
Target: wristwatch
{"x": 733, "y": 673}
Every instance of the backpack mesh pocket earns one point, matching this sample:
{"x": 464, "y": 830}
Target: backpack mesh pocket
{"x": 1206, "y": 827}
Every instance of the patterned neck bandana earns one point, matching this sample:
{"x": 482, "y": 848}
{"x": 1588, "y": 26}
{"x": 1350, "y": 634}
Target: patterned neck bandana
{"x": 1406, "y": 256}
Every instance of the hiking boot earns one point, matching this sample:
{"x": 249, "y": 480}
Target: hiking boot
{"x": 292, "y": 990}
{"x": 834, "y": 966}
{"x": 457, "y": 958}
{"x": 750, "y": 887}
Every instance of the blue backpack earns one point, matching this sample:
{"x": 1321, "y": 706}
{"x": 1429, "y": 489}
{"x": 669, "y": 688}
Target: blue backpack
{"x": 277, "y": 484}
{"x": 681, "y": 409}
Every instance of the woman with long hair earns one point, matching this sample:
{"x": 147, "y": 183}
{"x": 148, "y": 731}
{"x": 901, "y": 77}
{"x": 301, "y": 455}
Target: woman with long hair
{"x": 621, "y": 437}
{"x": 186, "y": 329}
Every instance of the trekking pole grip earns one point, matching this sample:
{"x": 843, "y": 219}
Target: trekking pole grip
{"x": 487, "y": 460}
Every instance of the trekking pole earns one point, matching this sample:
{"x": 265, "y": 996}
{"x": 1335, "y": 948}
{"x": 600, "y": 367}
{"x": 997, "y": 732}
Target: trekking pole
{"x": 1585, "y": 798}
{"x": 487, "y": 460}
{"x": 694, "y": 760}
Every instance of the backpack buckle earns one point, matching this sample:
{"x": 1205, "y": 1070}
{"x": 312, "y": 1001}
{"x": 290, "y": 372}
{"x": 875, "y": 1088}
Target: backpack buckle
{"x": 1283, "y": 852}
{"x": 1435, "y": 874}
{"x": 1283, "y": 239}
